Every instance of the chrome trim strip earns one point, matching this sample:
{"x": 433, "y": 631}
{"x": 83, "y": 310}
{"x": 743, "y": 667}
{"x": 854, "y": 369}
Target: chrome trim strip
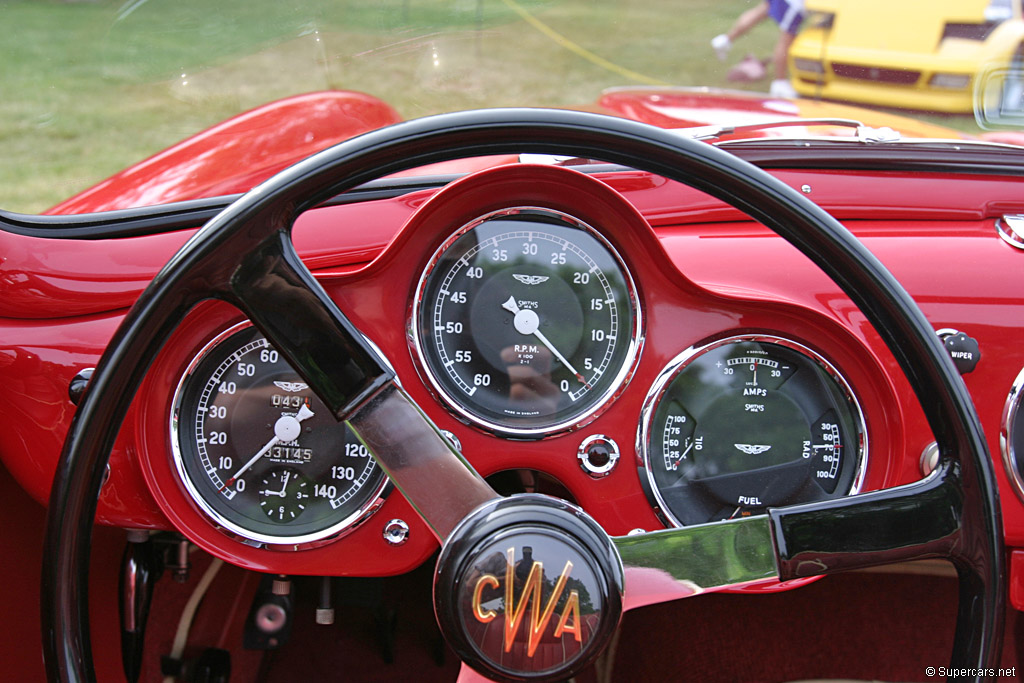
{"x": 950, "y": 144}
{"x": 714, "y": 131}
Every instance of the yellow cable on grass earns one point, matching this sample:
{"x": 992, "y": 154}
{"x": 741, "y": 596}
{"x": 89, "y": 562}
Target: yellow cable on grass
{"x": 578, "y": 49}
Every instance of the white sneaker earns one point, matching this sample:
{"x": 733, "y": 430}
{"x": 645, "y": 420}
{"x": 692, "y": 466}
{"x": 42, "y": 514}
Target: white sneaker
{"x": 782, "y": 89}
{"x": 721, "y": 45}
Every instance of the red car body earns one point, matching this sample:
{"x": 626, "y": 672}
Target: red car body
{"x": 703, "y": 270}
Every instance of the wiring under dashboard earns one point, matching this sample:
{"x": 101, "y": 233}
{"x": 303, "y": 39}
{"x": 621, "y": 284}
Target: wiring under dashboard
{"x": 189, "y": 612}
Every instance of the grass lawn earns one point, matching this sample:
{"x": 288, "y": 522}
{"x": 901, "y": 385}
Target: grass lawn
{"x": 89, "y": 87}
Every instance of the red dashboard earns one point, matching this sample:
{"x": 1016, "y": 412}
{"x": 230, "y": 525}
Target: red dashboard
{"x": 701, "y": 272}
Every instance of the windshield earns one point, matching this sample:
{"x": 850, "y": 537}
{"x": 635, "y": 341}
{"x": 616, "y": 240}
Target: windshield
{"x": 93, "y": 87}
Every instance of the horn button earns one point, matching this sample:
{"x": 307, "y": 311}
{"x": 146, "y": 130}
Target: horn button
{"x": 528, "y": 588}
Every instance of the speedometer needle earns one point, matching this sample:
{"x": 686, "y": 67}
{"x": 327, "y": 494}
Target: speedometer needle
{"x": 287, "y": 428}
{"x": 527, "y": 322}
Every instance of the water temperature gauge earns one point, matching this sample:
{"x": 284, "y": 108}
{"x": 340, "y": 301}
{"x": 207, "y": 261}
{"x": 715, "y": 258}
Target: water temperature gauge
{"x": 747, "y": 423}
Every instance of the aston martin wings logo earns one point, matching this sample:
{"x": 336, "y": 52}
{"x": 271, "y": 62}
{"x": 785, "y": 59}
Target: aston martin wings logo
{"x": 291, "y": 386}
{"x": 530, "y": 279}
{"x": 751, "y": 449}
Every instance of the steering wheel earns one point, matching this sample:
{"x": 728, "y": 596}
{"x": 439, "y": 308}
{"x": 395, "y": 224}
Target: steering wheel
{"x": 953, "y": 514}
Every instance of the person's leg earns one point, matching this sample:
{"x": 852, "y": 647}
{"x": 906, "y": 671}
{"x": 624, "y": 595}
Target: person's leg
{"x": 781, "y": 54}
{"x": 722, "y": 43}
{"x": 781, "y": 87}
{"x": 788, "y": 14}
{"x": 748, "y": 20}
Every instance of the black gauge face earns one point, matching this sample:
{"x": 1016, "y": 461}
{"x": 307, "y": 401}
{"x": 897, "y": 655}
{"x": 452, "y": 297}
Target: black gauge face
{"x": 1012, "y": 437}
{"x": 258, "y": 451}
{"x": 749, "y": 423}
{"x": 526, "y": 322}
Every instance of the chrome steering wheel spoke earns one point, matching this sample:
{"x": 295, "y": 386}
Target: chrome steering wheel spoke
{"x": 281, "y": 297}
{"x": 661, "y": 566}
{"x": 917, "y": 521}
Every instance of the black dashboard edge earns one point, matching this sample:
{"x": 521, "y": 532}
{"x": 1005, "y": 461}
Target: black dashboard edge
{"x": 149, "y": 220}
{"x": 971, "y": 158}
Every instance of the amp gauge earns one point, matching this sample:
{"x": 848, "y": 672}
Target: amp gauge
{"x": 747, "y": 423}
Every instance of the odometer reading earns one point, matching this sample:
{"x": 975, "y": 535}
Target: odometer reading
{"x": 258, "y": 451}
{"x": 526, "y": 321}
{"x": 749, "y": 423}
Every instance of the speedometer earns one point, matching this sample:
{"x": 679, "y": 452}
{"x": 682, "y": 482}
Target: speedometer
{"x": 747, "y": 423}
{"x": 526, "y": 322}
{"x": 260, "y": 454}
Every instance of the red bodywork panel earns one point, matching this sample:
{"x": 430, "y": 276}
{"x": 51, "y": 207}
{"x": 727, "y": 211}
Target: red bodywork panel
{"x": 684, "y": 107}
{"x": 239, "y": 153}
{"x": 236, "y": 155}
{"x": 703, "y": 270}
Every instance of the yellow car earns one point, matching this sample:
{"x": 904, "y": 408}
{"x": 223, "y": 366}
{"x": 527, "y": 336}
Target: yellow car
{"x": 910, "y": 54}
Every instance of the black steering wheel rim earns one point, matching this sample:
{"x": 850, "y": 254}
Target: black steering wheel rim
{"x": 258, "y": 225}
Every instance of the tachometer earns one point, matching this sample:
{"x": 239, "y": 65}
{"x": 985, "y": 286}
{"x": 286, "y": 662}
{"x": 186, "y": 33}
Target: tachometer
{"x": 260, "y": 454}
{"x": 748, "y": 423}
{"x": 526, "y": 322}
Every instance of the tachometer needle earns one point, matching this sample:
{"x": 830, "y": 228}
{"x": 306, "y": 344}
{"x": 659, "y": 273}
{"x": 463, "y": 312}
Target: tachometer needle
{"x": 287, "y": 428}
{"x": 527, "y": 322}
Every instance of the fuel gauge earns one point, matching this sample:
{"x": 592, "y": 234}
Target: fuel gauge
{"x": 747, "y": 423}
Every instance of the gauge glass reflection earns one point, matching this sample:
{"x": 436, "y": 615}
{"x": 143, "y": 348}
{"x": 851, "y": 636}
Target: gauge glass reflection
{"x": 526, "y": 322}
{"x": 749, "y": 423}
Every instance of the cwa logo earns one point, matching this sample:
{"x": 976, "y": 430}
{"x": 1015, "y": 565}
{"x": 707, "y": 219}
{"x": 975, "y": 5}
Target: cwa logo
{"x": 532, "y": 596}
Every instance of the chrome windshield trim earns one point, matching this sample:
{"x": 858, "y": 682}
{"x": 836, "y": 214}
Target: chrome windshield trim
{"x": 951, "y": 144}
{"x": 708, "y": 132}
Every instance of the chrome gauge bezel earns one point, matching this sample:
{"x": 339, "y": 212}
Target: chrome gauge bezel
{"x": 1007, "y": 428}
{"x": 575, "y": 421}
{"x": 229, "y": 527}
{"x": 681, "y": 361}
